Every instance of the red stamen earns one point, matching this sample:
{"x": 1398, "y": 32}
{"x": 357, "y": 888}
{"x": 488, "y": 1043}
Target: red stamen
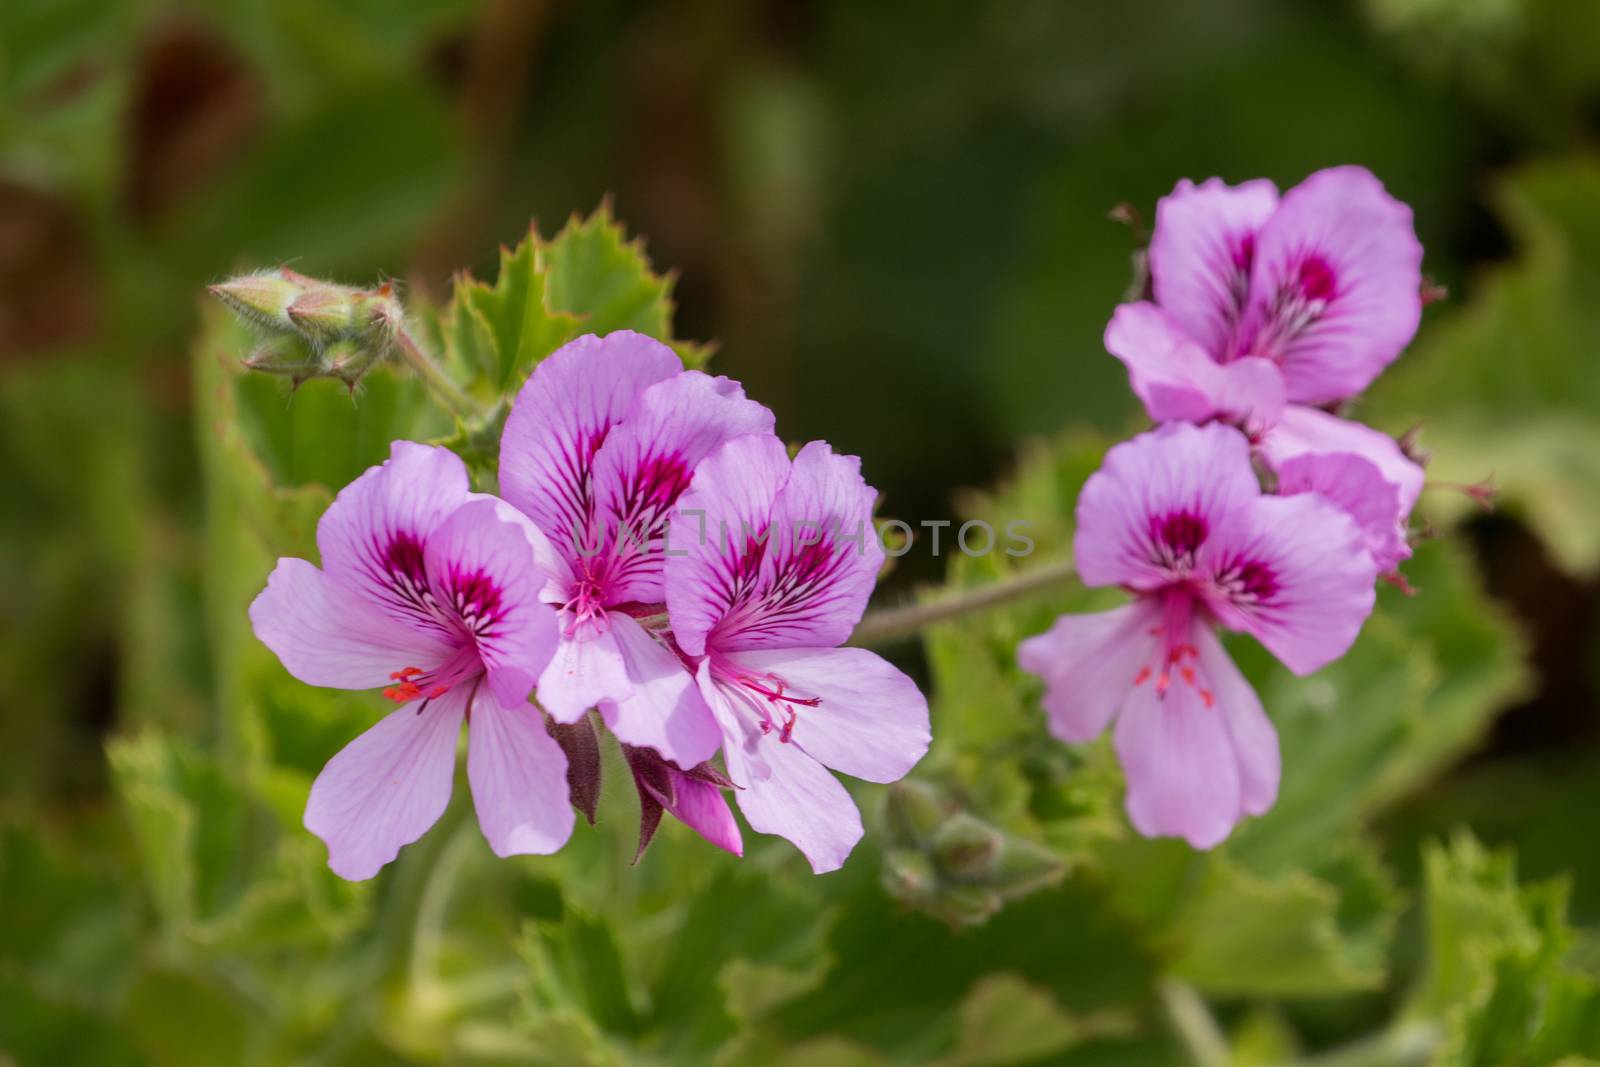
{"x": 404, "y": 692}
{"x": 1142, "y": 677}
{"x": 1208, "y": 699}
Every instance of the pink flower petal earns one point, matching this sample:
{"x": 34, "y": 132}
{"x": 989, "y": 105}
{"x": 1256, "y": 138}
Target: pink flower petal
{"x": 1150, "y": 509}
{"x": 1255, "y": 742}
{"x": 1089, "y": 664}
{"x": 1177, "y": 380}
{"x": 1335, "y": 292}
{"x": 728, "y": 503}
{"x": 665, "y": 710}
{"x": 821, "y": 560}
{"x": 872, "y": 722}
{"x": 561, "y": 418}
{"x": 1304, "y": 430}
{"x": 326, "y": 635}
{"x": 1201, "y": 253}
{"x": 646, "y": 463}
{"x": 1356, "y": 486}
{"x": 587, "y": 668}
{"x": 482, "y": 573}
{"x": 372, "y": 535}
{"x": 384, "y": 789}
{"x": 782, "y": 790}
{"x": 1295, "y": 573}
{"x": 703, "y": 808}
{"x": 1183, "y": 774}
{"x": 519, "y": 779}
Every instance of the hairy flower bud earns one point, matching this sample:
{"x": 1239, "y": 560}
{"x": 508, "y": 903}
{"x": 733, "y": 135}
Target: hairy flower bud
{"x": 913, "y": 812}
{"x": 263, "y": 298}
{"x": 329, "y": 312}
{"x": 291, "y": 357}
{"x": 966, "y": 847}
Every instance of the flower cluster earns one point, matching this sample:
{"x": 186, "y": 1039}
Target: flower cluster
{"x": 1252, "y": 506}
{"x": 573, "y": 587}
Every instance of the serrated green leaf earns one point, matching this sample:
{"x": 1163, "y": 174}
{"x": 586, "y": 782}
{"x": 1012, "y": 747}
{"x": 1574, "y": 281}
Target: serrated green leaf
{"x": 1496, "y": 974}
{"x": 1240, "y": 935}
{"x": 1007, "y": 1020}
{"x": 606, "y": 280}
{"x": 504, "y": 330}
{"x": 588, "y": 278}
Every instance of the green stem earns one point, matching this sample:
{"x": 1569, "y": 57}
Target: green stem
{"x": 895, "y": 624}
{"x": 1194, "y": 1024}
{"x": 443, "y": 386}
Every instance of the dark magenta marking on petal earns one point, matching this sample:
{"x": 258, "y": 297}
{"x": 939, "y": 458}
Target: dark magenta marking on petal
{"x": 477, "y": 600}
{"x": 1244, "y": 253}
{"x": 1317, "y": 280}
{"x": 403, "y": 558}
{"x": 1247, "y": 582}
{"x": 1183, "y": 532}
{"x": 1177, "y": 536}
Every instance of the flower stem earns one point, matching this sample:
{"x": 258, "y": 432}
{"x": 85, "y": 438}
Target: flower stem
{"x": 448, "y": 392}
{"x": 895, "y": 624}
{"x": 1194, "y": 1024}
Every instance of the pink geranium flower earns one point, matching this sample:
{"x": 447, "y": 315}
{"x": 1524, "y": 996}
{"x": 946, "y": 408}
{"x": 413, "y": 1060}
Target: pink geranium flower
{"x": 1177, "y": 517}
{"x": 778, "y": 561}
{"x": 1268, "y": 308}
{"x": 599, "y": 445}
{"x": 430, "y": 592}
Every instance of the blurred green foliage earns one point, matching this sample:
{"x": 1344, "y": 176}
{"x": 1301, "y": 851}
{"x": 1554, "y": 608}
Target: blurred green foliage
{"x": 892, "y": 217}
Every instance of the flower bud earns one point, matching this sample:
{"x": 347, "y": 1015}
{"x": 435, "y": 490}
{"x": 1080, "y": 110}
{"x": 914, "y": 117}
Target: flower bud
{"x": 966, "y": 848}
{"x": 348, "y": 361}
{"x": 1021, "y": 867}
{"x": 289, "y": 356}
{"x": 330, "y": 312}
{"x": 913, "y": 811}
{"x": 263, "y": 298}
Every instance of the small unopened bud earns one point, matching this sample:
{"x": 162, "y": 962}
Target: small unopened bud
{"x": 1483, "y": 493}
{"x": 1129, "y": 216}
{"x": 909, "y": 876}
{"x": 330, "y": 311}
{"x": 1432, "y": 292}
{"x": 966, "y": 847}
{"x": 1410, "y": 444}
{"x": 263, "y": 298}
{"x": 1023, "y": 866}
{"x": 966, "y": 905}
{"x": 913, "y": 811}
{"x": 290, "y": 357}
{"x": 348, "y": 361}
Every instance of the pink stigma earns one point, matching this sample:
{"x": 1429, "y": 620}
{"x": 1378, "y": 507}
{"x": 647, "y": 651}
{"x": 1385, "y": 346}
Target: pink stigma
{"x": 586, "y": 605}
{"x": 1176, "y": 659}
{"x": 776, "y": 697}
